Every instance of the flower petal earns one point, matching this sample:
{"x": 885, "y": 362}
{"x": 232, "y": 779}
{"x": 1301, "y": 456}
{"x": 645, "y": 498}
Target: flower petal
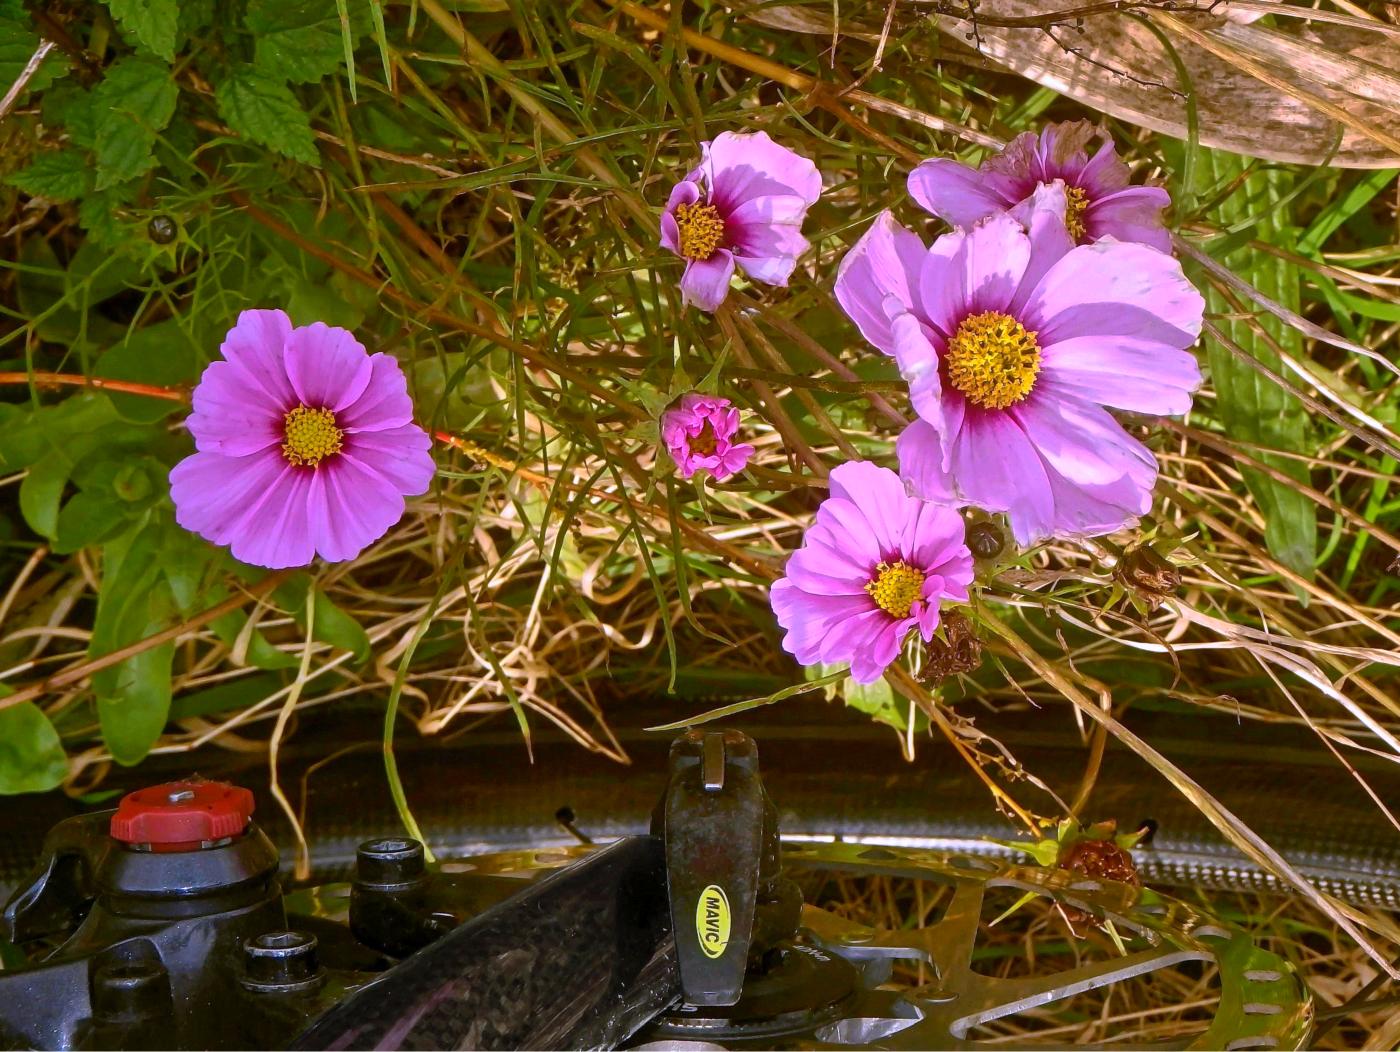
{"x": 255, "y": 346}
{"x": 1081, "y": 442}
{"x": 954, "y": 192}
{"x": 213, "y": 493}
{"x": 917, "y": 352}
{"x": 327, "y": 366}
{"x": 994, "y": 257}
{"x": 232, "y": 414}
{"x": 384, "y": 404}
{"x": 1043, "y": 216}
{"x": 885, "y": 263}
{"x": 277, "y": 533}
{"x": 1114, "y": 288}
{"x": 742, "y": 165}
{"x": 705, "y": 282}
{"x": 1133, "y": 214}
{"x": 361, "y": 505}
{"x": 1126, "y": 372}
{"x": 400, "y": 454}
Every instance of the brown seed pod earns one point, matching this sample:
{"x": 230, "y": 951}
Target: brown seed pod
{"x": 1143, "y": 570}
{"x": 162, "y": 229}
{"x": 958, "y": 651}
{"x": 985, "y": 540}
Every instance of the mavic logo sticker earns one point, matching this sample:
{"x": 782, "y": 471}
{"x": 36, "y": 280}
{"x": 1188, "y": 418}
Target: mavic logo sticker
{"x": 712, "y": 921}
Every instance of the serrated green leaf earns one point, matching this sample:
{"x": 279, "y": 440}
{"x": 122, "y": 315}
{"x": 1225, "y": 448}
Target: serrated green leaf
{"x": 135, "y": 100}
{"x": 1253, "y": 408}
{"x": 18, "y": 44}
{"x": 301, "y": 40}
{"x": 151, "y": 24}
{"x": 97, "y": 212}
{"x": 133, "y": 697}
{"x": 71, "y": 106}
{"x": 264, "y": 111}
{"x": 31, "y": 754}
{"x": 60, "y": 175}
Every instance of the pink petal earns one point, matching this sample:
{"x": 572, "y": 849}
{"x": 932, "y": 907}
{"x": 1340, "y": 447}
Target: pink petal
{"x": 922, "y": 464}
{"x": 328, "y": 367}
{"x": 1126, "y": 372}
{"x": 277, "y": 533}
{"x": 361, "y": 506}
{"x": 401, "y": 455}
{"x": 994, "y": 257}
{"x": 384, "y": 405}
{"x": 1043, "y": 216}
{"x": 1080, "y": 442}
{"x": 917, "y": 352}
{"x": 1114, "y": 288}
{"x": 880, "y": 497}
{"x": 255, "y": 345}
{"x": 740, "y": 166}
{"x": 213, "y": 492}
{"x": 705, "y": 282}
{"x": 232, "y": 414}
{"x": 954, "y": 192}
{"x": 884, "y": 264}
{"x": 1134, "y": 214}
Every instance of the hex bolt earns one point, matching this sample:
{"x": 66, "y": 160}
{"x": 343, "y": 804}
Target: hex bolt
{"x": 389, "y": 863}
{"x": 130, "y": 990}
{"x": 280, "y": 961}
{"x": 179, "y": 796}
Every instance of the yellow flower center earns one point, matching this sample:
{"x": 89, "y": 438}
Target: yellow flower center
{"x": 896, "y": 588}
{"x": 311, "y": 436}
{"x": 1076, "y": 201}
{"x": 704, "y": 442}
{"x": 993, "y": 360}
{"x": 701, "y": 228}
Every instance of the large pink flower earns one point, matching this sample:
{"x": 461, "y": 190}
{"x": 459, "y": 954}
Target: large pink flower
{"x": 1013, "y": 342}
{"x": 1100, "y": 201}
{"x": 874, "y": 564}
{"x": 699, "y": 433}
{"x": 306, "y": 445}
{"x": 742, "y": 205}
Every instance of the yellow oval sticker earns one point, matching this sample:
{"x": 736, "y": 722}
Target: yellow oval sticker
{"x": 712, "y": 920}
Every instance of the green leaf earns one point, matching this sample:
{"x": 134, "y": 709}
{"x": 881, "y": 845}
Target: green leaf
{"x": 26, "y": 435}
{"x": 264, "y": 111}
{"x": 162, "y": 354}
{"x": 41, "y": 491}
{"x": 133, "y": 697}
{"x": 300, "y": 40}
{"x": 31, "y": 754}
{"x": 71, "y": 106}
{"x": 18, "y": 43}
{"x": 333, "y": 625}
{"x": 1253, "y": 408}
{"x": 89, "y": 517}
{"x": 60, "y": 175}
{"x": 237, "y": 694}
{"x": 150, "y": 23}
{"x": 135, "y": 100}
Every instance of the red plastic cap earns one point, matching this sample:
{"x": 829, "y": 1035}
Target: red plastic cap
{"x": 181, "y": 816}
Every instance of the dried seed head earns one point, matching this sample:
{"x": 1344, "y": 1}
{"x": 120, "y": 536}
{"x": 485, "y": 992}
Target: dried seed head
{"x": 957, "y": 652}
{"x": 1143, "y": 570}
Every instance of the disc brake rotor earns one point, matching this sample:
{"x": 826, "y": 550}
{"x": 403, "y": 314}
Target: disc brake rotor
{"x": 837, "y": 986}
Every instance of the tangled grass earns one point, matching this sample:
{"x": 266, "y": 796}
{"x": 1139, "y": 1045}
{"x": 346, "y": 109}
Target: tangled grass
{"x": 484, "y": 207}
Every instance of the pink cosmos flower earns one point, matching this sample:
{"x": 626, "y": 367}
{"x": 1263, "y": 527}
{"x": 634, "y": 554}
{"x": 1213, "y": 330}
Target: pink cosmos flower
{"x": 1013, "y": 341}
{"x": 743, "y": 205}
{"x": 699, "y": 433}
{"x": 875, "y": 563}
{"x": 1100, "y": 201}
{"x": 306, "y": 445}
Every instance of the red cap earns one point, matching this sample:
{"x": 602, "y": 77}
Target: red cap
{"x": 180, "y": 816}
